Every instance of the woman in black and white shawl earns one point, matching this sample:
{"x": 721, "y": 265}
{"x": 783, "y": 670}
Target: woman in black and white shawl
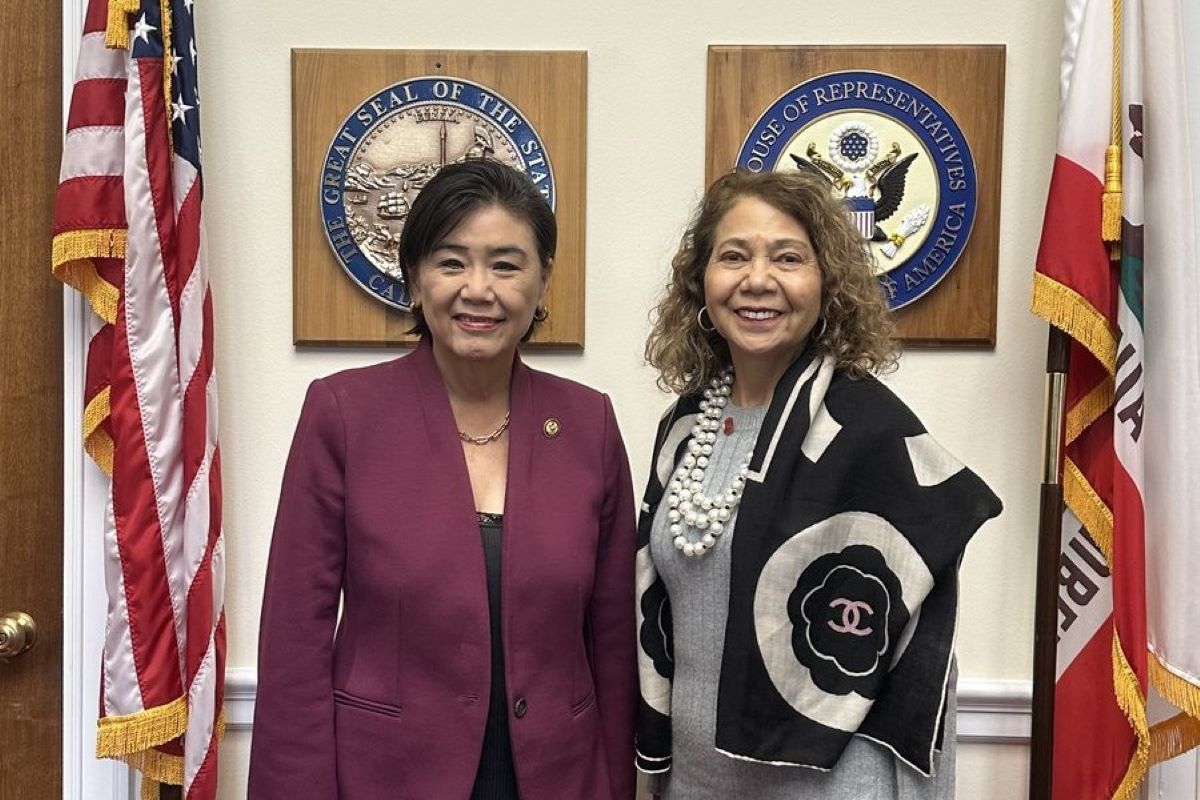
{"x": 801, "y": 531}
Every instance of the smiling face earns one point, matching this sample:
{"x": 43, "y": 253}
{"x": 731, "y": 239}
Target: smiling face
{"x": 480, "y": 286}
{"x": 762, "y": 285}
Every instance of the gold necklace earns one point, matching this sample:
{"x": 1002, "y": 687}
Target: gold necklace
{"x": 489, "y": 437}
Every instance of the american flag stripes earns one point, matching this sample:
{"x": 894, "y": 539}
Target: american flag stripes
{"x": 128, "y": 235}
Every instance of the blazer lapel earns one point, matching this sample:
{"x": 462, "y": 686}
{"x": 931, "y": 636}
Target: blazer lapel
{"x": 522, "y": 429}
{"x": 443, "y": 452}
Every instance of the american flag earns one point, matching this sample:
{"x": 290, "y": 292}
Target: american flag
{"x": 128, "y": 235}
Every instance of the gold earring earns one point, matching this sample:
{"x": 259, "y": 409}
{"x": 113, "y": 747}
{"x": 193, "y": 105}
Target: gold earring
{"x": 541, "y": 314}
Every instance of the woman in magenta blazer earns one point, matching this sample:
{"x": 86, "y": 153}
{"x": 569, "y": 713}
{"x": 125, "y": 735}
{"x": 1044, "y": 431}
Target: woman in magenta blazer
{"x": 474, "y": 518}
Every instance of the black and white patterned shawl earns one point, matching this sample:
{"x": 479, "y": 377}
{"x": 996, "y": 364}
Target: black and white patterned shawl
{"x": 843, "y": 588}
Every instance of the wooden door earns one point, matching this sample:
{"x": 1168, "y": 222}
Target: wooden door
{"x": 31, "y": 476}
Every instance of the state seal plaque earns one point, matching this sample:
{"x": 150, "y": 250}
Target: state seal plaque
{"x": 391, "y": 145}
{"x": 909, "y": 137}
{"x": 894, "y": 154}
{"x": 370, "y": 128}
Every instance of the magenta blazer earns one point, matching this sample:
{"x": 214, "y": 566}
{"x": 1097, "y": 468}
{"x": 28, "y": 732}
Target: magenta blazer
{"x": 376, "y": 509}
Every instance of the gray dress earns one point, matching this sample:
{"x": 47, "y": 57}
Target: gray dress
{"x": 699, "y": 593}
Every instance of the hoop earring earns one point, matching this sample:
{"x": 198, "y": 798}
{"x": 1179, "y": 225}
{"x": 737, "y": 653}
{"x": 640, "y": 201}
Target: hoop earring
{"x": 541, "y": 314}
{"x": 700, "y": 320}
{"x": 824, "y": 327}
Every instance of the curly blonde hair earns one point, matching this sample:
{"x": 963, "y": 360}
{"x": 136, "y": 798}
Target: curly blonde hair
{"x": 858, "y": 328}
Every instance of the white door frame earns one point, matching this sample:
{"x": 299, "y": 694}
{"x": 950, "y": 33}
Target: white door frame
{"x": 84, "y": 487}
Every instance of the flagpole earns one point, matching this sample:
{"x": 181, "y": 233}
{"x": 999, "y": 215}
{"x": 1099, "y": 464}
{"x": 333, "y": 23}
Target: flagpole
{"x": 1045, "y": 628}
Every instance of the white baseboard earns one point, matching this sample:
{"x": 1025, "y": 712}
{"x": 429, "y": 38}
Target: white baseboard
{"x": 240, "y": 686}
{"x": 994, "y": 711}
{"x": 989, "y": 711}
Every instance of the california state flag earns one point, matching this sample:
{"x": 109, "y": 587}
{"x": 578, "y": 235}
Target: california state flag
{"x": 1121, "y": 187}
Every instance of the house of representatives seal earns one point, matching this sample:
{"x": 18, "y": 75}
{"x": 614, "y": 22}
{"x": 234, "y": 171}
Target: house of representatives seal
{"x": 391, "y": 145}
{"x": 894, "y": 154}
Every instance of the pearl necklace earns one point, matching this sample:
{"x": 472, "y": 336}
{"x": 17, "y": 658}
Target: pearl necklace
{"x": 688, "y": 507}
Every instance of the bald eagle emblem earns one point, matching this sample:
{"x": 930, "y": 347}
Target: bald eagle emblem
{"x": 893, "y": 155}
{"x": 872, "y": 186}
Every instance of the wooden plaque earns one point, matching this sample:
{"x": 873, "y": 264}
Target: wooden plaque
{"x": 550, "y": 91}
{"x": 967, "y": 81}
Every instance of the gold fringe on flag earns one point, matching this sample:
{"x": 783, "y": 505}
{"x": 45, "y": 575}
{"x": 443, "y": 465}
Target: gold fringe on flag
{"x": 96, "y": 441}
{"x": 71, "y": 255}
{"x": 1066, "y": 309}
{"x": 1181, "y": 732}
{"x": 1133, "y": 703}
{"x": 150, "y": 789}
{"x": 120, "y": 736}
{"x": 1089, "y": 409}
{"x": 116, "y": 32}
{"x": 156, "y": 766}
{"x": 1091, "y": 510}
{"x": 1173, "y": 737}
{"x": 1179, "y": 691}
{"x": 1097, "y": 519}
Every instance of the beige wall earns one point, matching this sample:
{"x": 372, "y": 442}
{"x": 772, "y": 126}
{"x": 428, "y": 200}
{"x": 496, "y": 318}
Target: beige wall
{"x": 646, "y": 64}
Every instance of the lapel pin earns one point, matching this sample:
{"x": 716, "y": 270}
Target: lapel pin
{"x": 551, "y": 428}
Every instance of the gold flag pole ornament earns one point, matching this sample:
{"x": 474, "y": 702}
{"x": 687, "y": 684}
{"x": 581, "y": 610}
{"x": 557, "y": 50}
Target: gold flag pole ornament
{"x": 1111, "y": 201}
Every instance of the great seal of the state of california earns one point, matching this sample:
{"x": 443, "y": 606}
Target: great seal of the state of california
{"x": 391, "y": 145}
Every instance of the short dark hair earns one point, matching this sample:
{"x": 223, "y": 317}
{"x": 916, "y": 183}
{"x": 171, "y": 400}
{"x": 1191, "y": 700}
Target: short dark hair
{"x": 458, "y": 191}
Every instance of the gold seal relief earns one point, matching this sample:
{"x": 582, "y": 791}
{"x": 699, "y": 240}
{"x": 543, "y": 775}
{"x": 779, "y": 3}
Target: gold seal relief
{"x": 398, "y": 156}
{"x": 872, "y": 158}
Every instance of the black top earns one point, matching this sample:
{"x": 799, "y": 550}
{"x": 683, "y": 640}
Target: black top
{"x": 496, "y": 779}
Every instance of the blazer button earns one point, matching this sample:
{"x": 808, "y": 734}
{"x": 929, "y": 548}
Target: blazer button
{"x": 519, "y": 707}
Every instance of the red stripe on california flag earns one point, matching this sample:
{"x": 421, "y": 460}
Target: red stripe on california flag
{"x": 1093, "y": 453}
{"x": 158, "y": 165}
{"x": 93, "y": 202}
{"x": 1084, "y": 702}
{"x": 139, "y": 537}
{"x": 1085, "y": 375}
{"x": 1129, "y": 569}
{"x": 99, "y": 101}
{"x": 1072, "y": 251}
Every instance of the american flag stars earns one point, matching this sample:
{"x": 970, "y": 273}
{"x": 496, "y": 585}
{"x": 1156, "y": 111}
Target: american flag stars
{"x": 142, "y": 29}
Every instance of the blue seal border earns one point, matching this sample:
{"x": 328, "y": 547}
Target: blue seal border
{"x": 933, "y": 261}
{"x": 407, "y": 94}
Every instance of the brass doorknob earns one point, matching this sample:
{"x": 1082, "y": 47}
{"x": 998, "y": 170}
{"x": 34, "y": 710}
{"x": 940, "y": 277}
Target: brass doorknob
{"x": 18, "y": 632}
